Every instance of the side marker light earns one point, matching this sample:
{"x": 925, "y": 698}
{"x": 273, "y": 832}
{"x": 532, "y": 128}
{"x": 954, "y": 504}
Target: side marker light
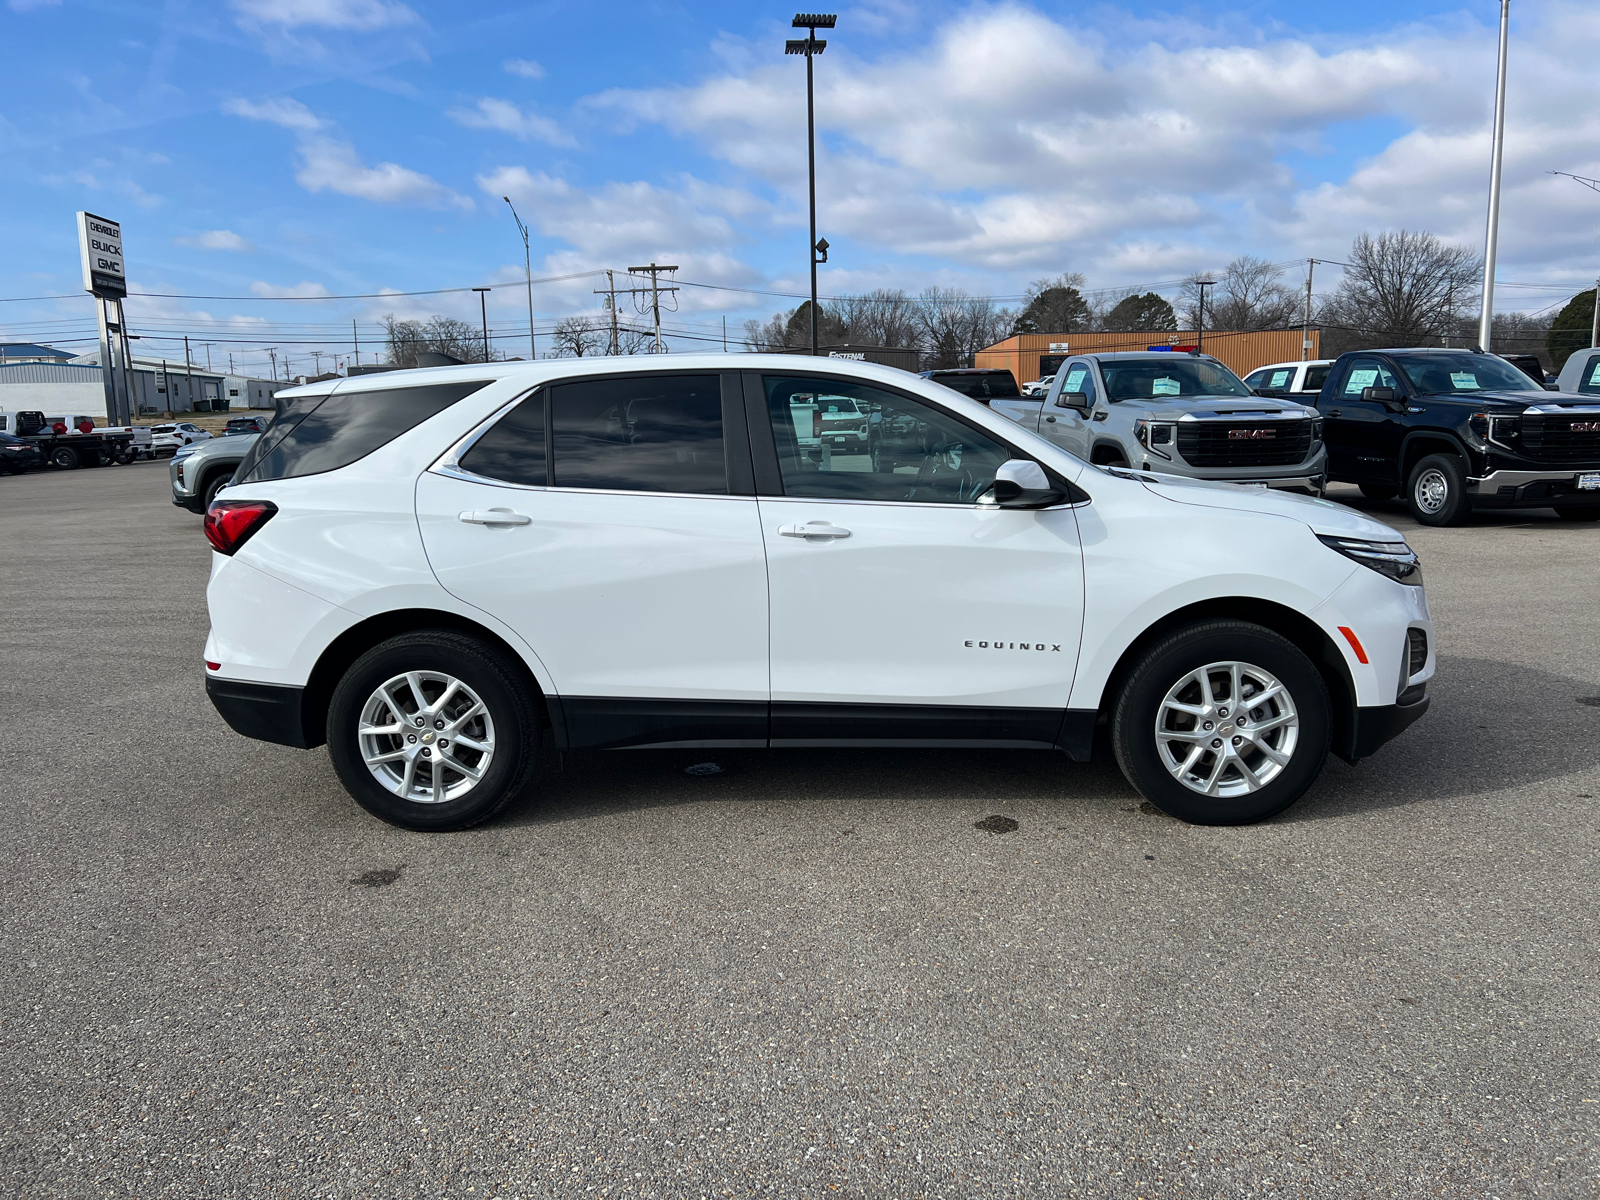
{"x": 1355, "y": 643}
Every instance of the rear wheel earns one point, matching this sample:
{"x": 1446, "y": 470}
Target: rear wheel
{"x": 1437, "y": 491}
{"x": 1223, "y": 723}
{"x": 1589, "y": 512}
{"x": 64, "y": 458}
{"x": 1379, "y": 491}
{"x": 433, "y": 731}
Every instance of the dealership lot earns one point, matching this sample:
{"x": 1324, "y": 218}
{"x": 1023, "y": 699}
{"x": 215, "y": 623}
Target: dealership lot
{"x": 808, "y": 974}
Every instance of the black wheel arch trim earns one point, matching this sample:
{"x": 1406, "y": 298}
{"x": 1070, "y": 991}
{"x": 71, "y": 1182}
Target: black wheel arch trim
{"x": 1403, "y": 470}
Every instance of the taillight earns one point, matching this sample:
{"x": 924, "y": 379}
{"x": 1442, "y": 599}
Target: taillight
{"x": 230, "y": 523}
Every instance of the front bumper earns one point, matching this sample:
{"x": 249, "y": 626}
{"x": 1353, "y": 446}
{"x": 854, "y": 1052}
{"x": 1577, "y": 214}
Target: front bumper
{"x": 1531, "y": 489}
{"x": 1375, "y": 726}
{"x": 268, "y": 712}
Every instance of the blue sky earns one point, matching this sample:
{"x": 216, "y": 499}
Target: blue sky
{"x": 256, "y": 148}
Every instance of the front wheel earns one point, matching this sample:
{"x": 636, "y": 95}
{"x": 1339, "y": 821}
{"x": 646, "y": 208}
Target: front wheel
{"x": 64, "y": 458}
{"x": 1437, "y": 491}
{"x": 1589, "y": 512}
{"x": 433, "y": 731}
{"x": 1224, "y": 723}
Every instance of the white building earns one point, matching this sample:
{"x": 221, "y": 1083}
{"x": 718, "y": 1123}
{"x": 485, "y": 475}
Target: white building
{"x": 160, "y": 385}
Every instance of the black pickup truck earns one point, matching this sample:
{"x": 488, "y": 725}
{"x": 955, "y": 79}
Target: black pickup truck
{"x": 1458, "y": 430}
{"x": 66, "y": 448}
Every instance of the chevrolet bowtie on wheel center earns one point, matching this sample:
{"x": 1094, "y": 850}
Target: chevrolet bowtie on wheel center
{"x": 431, "y": 571}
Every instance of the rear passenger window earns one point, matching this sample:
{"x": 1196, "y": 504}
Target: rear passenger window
{"x": 658, "y": 433}
{"x": 308, "y": 437}
{"x": 513, "y": 451}
{"x": 1589, "y": 377}
{"x": 1315, "y": 378}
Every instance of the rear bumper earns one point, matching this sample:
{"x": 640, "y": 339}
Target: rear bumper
{"x": 269, "y": 712}
{"x": 1375, "y": 726}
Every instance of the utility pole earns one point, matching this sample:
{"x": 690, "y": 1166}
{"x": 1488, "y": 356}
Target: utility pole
{"x": 356, "y": 337}
{"x": 655, "y": 296}
{"x": 527, "y": 267}
{"x": 610, "y": 293}
{"x": 1305, "y": 337}
{"x": 317, "y": 355}
{"x": 1594, "y": 325}
{"x": 188, "y": 371}
{"x": 811, "y": 47}
{"x": 272, "y": 352}
{"x": 1492, "y": 236}
{"x": 483, "y": 309}
{"x": 208, "y": 346}
{"x": 724, "y": 333}
{"x": 231, "y": 371}
{"x": 1200, "y": 332}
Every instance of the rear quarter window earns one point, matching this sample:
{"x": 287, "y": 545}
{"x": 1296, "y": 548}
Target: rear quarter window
{"x": 315, "y": 434}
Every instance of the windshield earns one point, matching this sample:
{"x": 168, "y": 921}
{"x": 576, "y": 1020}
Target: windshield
{"x": 837, "y": 404}
{"x": 1442, "y": 374}
{"x": 1144, "y": 379}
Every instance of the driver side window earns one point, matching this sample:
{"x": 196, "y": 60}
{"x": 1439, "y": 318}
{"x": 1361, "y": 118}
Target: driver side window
{"x": 1079, "y": 379}
{"x": 895, "y": 448}
{"x": 1365, "y": 373}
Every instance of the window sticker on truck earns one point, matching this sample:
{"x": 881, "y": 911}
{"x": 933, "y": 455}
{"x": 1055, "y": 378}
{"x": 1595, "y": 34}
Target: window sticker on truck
{"x": 1075, "y": 376}
{"x": 1594, "y": 376}
{"x": 1165, "y": 387}
{"x": 1279, "y": 379}
{"x": 1464, "y": 380}
{"x": 1359, "y": 380}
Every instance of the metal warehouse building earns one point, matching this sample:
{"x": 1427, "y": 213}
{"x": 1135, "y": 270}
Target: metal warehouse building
{"x": 1030, "y": 356}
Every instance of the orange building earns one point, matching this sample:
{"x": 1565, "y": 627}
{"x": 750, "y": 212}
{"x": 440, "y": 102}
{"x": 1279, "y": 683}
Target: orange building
{"x": 1030, "y": 356}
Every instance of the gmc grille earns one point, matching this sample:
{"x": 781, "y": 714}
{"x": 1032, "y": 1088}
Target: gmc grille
{"x": 1551, "y": 438}
{"x": 1229, "y": 444}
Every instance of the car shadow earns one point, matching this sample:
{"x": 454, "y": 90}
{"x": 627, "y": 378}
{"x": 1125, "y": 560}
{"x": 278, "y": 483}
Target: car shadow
{"x": 1470, "y": 742}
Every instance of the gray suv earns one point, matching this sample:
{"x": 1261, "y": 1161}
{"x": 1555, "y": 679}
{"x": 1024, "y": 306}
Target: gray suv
{"x": 1177, "y": 414}
{"x": 197, "y": 475}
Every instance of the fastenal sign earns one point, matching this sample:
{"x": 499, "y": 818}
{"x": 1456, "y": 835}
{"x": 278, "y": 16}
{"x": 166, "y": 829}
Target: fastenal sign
{"x": 100, "y": 246}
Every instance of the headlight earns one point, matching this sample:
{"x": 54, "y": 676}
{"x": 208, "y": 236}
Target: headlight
{"x": 1153, "y": 435}
{"x": 1492, "y": 427}
{"x": 1395, "y": 559}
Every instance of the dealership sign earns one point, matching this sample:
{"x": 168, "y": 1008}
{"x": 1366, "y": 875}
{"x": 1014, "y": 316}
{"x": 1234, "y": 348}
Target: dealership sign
{"x": 100, "y": 246}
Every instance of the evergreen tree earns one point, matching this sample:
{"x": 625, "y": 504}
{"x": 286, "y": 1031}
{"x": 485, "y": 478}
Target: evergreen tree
{"x": 1571, "y": 329}
{"x": 1148, "y": 313}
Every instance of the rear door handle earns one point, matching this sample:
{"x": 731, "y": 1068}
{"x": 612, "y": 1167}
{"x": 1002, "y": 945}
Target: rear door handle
{"x": 819, "y": 530}
{"x": 496, "y": 516}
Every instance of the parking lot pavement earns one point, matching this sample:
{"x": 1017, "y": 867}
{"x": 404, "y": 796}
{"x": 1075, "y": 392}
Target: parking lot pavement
{"x": 808, "y": 975}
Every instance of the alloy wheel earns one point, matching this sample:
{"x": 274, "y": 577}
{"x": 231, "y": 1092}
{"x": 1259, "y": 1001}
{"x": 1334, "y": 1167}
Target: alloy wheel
{"x": 426, "y": 737}
{"x": 1226, "y": 729}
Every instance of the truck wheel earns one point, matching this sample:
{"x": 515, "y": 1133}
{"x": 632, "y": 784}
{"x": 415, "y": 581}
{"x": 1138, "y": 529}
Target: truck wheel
{"x": 64, "y": 458}
{"x": 433, "y": 731}
{"x": 1222, "y": 723}
{"x": 1589, "y": 512}
{"x": 124, "y": 457}
{"x": 1437, "y": 491}
{"x": 1379, "y": 491}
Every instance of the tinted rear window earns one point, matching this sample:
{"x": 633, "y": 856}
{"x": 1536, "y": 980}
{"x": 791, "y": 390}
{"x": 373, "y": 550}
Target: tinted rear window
{"x": 1315, "y": 378}
{"x": 984, "y": 387}
{"x": 513, "y": 450}
{"x": 313, "y": 434}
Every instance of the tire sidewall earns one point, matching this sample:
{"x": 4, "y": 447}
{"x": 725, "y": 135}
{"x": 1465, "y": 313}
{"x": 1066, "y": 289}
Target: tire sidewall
{"x": 515, "y": 728}
{"x": 1455, "y": 504}
{"x": 1133, "y": 726}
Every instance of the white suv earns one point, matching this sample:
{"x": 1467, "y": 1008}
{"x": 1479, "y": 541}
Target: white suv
{"x": 428, "y": 569}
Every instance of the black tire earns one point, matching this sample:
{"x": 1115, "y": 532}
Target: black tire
{"x": 1138, "y": 706}
{"x": 213, "y": 484}
{"x": 124, "y": 457}
{"x": 1588, "y": 512}
{"x": 64, "y": 458}
{"x": 1436, "y": 493}
{"x": 512, "y": 707}
{"x": 1379, "y": 491}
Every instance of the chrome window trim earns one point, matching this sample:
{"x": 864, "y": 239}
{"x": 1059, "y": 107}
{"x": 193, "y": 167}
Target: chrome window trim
{"x": 449, "y": 463}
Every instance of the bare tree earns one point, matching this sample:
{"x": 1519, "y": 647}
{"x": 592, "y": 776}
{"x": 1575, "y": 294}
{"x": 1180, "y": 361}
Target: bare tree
{"x": 1399, "y": 289}
{"x": 883, "y": 317}
{"x": 955, "y": 326}
{"x": 577, "y": 335}
{"x": 1250, "y": 294}
{"x": 437, "y": 335}
{"x": 767, "y": 336}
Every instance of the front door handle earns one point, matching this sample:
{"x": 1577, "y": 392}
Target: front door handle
{"x": 496, "y": 516}
{"x": 1336, "y": 412}
{"x": 814, "y": 530}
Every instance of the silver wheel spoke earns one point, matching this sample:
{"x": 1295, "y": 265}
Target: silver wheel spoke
{"x": 1226, "y": 708}
{"x": 407, "y": 759}
{"x": 1281, "y": 759}
{"x": 1271, "y": 723}
{"x": 1245, "y": 773}
{"x": 1216, "y": 773}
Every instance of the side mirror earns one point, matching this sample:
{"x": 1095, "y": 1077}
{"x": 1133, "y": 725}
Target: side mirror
{"x": 1078, "y": 400}
{"x": 1022, "y": 483}
{"x": 1378, "y": 395}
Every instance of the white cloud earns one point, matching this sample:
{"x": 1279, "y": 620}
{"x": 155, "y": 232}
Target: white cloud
{"x": 334, "y": 165}
{"x": 505, "y": 117}
{"x": 525, "y": 67}
{"x": 356, "y": 15}
{"x": 281, "y": 110}
{"x": 218, "y": 239}
{"x": 300, "y": 291}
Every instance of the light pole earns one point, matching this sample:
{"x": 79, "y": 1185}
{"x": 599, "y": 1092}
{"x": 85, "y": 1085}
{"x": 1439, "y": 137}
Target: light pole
{"x": 1492, "y": 237}
{"x": 811, "y": 47}
{"x": 1200, "y": 323}
{"x": 483, "y": 307}
{"x": 527, "y": 266}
